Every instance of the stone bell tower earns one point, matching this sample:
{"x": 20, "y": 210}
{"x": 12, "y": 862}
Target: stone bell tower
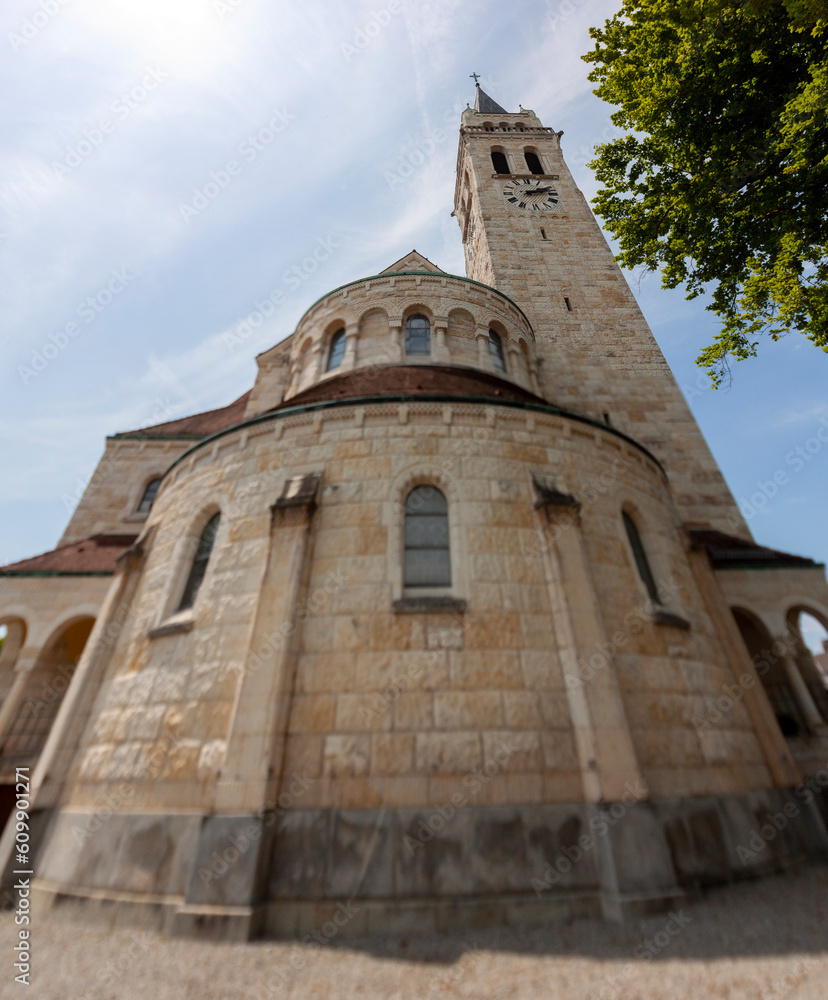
{"x": 529, "y": 232}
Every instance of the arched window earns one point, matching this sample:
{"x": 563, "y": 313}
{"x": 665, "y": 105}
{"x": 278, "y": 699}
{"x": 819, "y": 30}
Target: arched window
{"x": 336, "y": 352}
{"x": 427, "y": 561}
{"x": 496, "y": 351}
{"x": 533, "y": 161}
{"x": 499, "y": 162}
{"x": 641, "y": 562}
{"x": 199, "y": 567}
{"x": 417, "y": 335}
{"x": 149, "y": 496}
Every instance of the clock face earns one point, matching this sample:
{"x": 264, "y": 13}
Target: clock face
{"x": 531, "y": 195}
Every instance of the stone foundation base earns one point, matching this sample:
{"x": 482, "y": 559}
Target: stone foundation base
{"x": 346, "y": 873}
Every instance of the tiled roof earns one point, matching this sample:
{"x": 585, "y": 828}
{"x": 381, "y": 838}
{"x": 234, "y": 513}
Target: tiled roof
{"x": 412, "y": 261}
{"x": 93, "y": 556}
{"x": 484, "y": 104}
{"x": 198, "y": 425}
{"x": 410, "y": 380}
{"x": 729, "y": 552}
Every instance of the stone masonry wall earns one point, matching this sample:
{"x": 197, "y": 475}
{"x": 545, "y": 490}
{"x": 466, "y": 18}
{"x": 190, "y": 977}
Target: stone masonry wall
{"x": 402, "y": 708}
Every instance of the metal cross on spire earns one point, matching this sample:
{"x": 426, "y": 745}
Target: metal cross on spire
{"x": 475, "y": 77}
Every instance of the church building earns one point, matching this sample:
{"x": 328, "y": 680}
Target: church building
{"x": 450, "y": 620}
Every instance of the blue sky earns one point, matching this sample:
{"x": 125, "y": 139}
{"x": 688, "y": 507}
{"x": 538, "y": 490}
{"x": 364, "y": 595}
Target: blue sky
{"x": 120, "y": 213}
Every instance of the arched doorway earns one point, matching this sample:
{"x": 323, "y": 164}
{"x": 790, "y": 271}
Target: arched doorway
{"x": 46, "y": 685}
{"x": 771, "y": 669}
{"x": 12, "y": 637}
{"x": 809, "y": 634}
{"x": 815, "y": 637}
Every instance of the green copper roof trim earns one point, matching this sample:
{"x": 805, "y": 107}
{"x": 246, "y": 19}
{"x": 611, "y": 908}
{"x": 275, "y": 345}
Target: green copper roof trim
{"x": 398, "y": 398}
{"x": 399, "y": 274}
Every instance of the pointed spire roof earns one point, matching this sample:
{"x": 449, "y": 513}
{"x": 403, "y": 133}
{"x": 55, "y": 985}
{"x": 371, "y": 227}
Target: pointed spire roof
{"x": 484, "y": 103}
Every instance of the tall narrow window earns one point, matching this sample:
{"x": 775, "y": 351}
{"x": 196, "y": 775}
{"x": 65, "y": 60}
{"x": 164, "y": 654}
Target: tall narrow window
{"x": 199, "y": 567}
{"x": 533, "y": 162}
{"x": 641, "y": 562}
{"x": 499, "y": 162}
{"x": 336, "y": 352}
{"x": 496, "y": 351}
{"x": 149, "y": 496}
{"x": 417, "y": 335}
{"x": 427, "y": 561}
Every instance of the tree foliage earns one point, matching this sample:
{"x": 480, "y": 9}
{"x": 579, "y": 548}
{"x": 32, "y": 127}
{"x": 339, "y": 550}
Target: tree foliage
{"x": 721, "y": 179}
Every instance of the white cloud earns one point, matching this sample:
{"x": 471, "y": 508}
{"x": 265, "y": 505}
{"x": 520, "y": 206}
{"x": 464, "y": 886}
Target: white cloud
{"x": 164, "y": 339}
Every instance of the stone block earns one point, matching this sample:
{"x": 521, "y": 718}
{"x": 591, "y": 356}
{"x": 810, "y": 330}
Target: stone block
{"x": 468, "y": 710}
{"x": 486, "y": 669}
{"x": 521, "y": 710}
{"x": 512, "y": 751}
{"x": 392, "y": 753}
{"x": 313, "y": 714}
{"x": 414, "y": 712}
{"x": 346, "y": 756}
{"x": 541, "y": 669}
{"x": 495, "y": 631}
{"x": 559, "y": 752}
{"x": 360, "y": 713}
{"x": 447, "y": 753}
{"x": 303, "y": 755}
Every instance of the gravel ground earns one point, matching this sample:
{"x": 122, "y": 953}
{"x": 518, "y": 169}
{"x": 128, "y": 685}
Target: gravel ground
{"x": 762, "y": 940}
